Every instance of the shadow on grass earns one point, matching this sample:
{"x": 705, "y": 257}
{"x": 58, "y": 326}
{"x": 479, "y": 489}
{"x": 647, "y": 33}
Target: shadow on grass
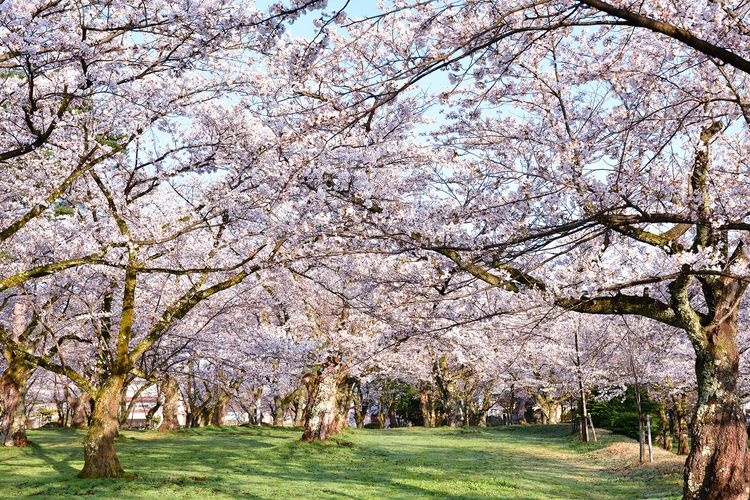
{"x": 266, "y": 463}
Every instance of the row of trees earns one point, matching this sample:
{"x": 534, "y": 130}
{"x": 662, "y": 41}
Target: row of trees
{"x": 467, "y": 172}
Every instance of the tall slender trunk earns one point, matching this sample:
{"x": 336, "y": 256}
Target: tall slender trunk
{"x": 100, "y": 458}
{"x": 171, "y": 392}
{"x": 717, "y": 466}
{"x": 359, "y": 407}
{"x": 13, "y": 387}
{"x": 581, "y": 391}
{"x": 321, "y": 409}
{"x": 666, "y": 435}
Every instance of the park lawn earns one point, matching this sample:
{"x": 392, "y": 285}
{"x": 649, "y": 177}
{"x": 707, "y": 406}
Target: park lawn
{"x": 516, "y": 462}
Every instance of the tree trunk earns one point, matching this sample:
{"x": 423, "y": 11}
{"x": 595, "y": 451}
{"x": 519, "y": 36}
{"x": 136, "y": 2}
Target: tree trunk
{"x": 279, "y": 411}
{"x": 299, "y": 414}
{"x": 80, "y": 417}
{"x": 344, "y": 400}
{"x": 13, "y": 387}
{"x": 380, "y": 419}
{"x": 171, "y": 392}
{"x": 680, "y": 424}
{"x": 151, "y": 414}
{"x": 219, "y": 412}
{"x": 683, "y": 446}
{"x": 392, "y": 421}
{"x": 320, "y": 413}
{"x": 359, "y": 407}
{"x": 425, "y": 404}
{"x": 717, "y": 466}
{"x": 521, "y": 410}
{"x": 206, "y": 415}
{"x": 100, "y": 458}
{"x": 666, "y": 437}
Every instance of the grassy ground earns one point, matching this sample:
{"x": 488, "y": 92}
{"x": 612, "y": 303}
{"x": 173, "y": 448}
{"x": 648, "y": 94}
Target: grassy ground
{"x": 516, "y": 462}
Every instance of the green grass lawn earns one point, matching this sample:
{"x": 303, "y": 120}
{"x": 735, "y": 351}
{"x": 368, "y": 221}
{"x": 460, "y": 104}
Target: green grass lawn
{"x": 516, "y": 462}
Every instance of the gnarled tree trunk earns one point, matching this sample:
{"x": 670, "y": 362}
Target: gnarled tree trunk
{"x": 100, "y": 458}
{"x": 717, "y": 466}
{"x": 171, "y": 392}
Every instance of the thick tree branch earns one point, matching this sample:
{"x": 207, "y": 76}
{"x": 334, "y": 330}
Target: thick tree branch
{"x": 672, "y": 31}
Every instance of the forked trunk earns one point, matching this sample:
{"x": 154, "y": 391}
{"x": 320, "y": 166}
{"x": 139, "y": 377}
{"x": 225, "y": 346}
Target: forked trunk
{"x": 100, "y": 458}
{"x": 13, "y": 387}
{"x": 717, "y": 466}
{"x": 322, "y": 404}
{"x": 171, "y": 392}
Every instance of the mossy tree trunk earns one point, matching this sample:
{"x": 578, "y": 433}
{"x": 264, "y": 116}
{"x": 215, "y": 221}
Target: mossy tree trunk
{"x": 717, "y": 466}
{"x": 100, "y": 458}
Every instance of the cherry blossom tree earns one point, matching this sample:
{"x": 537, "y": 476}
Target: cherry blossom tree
{"x": 593, "y": 156}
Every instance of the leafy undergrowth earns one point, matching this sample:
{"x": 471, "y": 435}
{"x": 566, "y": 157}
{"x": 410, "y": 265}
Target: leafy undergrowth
{"x": 516, "y": 462}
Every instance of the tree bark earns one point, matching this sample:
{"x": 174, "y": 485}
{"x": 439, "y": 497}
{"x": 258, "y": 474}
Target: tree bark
{"x": 322, "y": 404}
{"x": 171, "y": 392}
{"x": 219, "y": 411}
{"x": 717, "y": 466}
{"x": 100, "y": 458}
